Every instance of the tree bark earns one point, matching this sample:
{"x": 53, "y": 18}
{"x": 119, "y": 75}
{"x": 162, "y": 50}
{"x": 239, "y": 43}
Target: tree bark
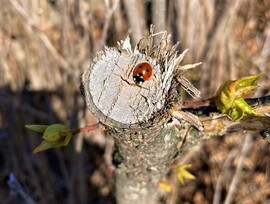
{"x": 148, "y": 137}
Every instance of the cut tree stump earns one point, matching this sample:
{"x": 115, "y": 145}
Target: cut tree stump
{"x": 147, "y": 120}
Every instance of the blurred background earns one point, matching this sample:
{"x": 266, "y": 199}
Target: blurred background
{"x": 46, "y": 45}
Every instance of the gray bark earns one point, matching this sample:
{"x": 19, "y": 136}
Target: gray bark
{"x": 146, "y": 120}
{"x": 147, "y": 137}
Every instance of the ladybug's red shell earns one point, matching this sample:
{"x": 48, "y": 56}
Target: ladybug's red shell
{"x": 142, "y": 72}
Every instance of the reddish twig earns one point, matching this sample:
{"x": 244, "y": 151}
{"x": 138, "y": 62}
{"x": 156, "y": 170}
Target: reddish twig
{"x": 86, "y": 128}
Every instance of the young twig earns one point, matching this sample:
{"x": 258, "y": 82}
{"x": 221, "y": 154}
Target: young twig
{"x": 86, "y": 128}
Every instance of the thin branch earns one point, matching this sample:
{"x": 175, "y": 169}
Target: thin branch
{"x": 109, "y": 13}
{"x": 253, "y": 194}
{"x": 86, "y": 128}
{"x": 265, "y": 52}
{"x": 209, "y": 115}
{"x": 215, "y": 123}
{"x": 233, "y": 187}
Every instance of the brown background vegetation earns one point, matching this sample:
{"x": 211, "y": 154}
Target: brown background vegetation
{"x": 45, "y": 47}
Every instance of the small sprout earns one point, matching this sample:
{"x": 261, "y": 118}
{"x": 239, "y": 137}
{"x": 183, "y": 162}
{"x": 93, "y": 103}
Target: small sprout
{"x": 44, "y": 145}
{"x": 165, "y": 186}
{"x": 229, "y": 97}
{"x": 57, "y": 135}
{"x": 54, "y": 136}
{"x": 182, "y": 172}
{"x": 37, "y": 128}
{"x": 55, "y": 132}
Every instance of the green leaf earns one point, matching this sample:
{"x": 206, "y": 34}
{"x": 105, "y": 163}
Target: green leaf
{"x": 248, "y": 81}
{"x": 43, "y": 146}
{"x": 54, "y": 132}
{"x": 229, "y": 97}
{"x": 64, "y": 141}
{"x": 56, "y": 135}
{"x": 37, "y": 128}
{"x": 244, "y": 90}
{"x": 225, "y": 96}
{"x": 246, "y": 109}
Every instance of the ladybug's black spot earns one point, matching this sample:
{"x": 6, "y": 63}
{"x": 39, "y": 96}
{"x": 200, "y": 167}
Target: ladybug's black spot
{"x": 140, "y": 66}
{"x": 147, "y": 70}
{"x": 138, "y": 79}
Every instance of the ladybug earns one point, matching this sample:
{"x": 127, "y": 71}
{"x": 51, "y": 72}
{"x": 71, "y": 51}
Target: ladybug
{"x": 142, "y": 72}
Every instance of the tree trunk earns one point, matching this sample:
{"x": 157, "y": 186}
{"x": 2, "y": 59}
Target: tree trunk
{"x": 147, "y": 135}
{"x": 136, "y": 114}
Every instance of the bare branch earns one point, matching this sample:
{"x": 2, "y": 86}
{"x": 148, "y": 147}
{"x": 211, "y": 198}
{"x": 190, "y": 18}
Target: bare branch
{"x": 216, "y": 124}
{"x": 109, "y": 13}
